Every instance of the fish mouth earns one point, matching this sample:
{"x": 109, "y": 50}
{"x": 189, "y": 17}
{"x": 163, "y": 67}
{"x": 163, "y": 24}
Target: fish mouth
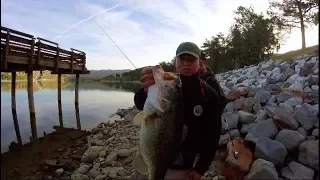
{"x": 170, "y": 76}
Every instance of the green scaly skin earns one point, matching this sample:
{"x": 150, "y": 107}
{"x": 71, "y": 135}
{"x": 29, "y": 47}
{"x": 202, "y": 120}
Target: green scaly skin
{"x": 160, "y": 136}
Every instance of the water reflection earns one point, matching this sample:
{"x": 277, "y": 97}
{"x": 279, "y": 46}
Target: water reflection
{"x": 97, "y": 101}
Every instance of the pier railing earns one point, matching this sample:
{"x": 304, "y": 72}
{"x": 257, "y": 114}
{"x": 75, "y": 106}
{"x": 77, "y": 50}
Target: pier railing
{"x": 23, "y": 52}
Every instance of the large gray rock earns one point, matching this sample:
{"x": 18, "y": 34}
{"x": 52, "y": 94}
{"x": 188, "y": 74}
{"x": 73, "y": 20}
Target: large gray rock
{"x": 272, "y": 100}
{"x": 288, "y": 107}
{"x": 124, "y": 152}
{"x": 83, "y": 169}
{"x": 270, "y": 150}
{"x": 265, "y": 128}
{"x": 316, "y": 108}
{"x": 79, "y": 176}
{"x": 111, "y": 157}
{"x": 224, "y": 139}
{"x": 251, "y": 105}
{"x": 302, "y": 131}
{"x": 298, "y": 84}
{"x": 315, "y": 132}
{"x": 313, "y": 80}
{"x": 295, "y": 170}
{"x": 94, "y": 172}
{"x": 234, "y": 133}
{"x": 283, "y": 96}
{"x": 238, "y": 103}
{"x": 261, "y": 115}
{"x": 229, "y": 107}
{"x": 285, "y": 116}
{"x": 59, "y": 172}
{"x": 262, "y": 96}
{"x": 274, "y": 87}
{"x": 262, "y": 169}
{"x": 315, "y": 88}
{"x": 307, "y": 89}
{"x": 309, "y": 153}
{"x": 246, "y": 118}
{"x": 289, "y": 138}
{"x": 271, "y": 110}
{"x": 245, "y": 128}
{"x": 231, "y": 119}
{"x": 306, "y": 116}
{"x": 111, "y": 171}
{"x": 294, "y": 101}
{"x": 92, "y": 153}
{"x": 248, "y": 104}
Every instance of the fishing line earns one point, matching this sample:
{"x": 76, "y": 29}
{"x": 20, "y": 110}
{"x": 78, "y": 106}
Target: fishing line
{"x": 117, "y": 46}
{"x": 83, "y": 20}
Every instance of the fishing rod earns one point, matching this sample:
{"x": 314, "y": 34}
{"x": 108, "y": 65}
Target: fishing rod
{"x": 117, "y": 47}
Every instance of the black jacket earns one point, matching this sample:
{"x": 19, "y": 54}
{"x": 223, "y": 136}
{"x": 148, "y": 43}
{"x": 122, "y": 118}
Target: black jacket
{"x": 203, "y": 131}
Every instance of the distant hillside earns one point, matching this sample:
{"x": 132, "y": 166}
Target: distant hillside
{"x": 99, "y": 74}
{"x": 311, "y": 50}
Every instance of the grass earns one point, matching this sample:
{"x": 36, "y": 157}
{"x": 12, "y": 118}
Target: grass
{"x": 6, "y": 86}
{"x": 23, "y": 76}
{"x": 312, "y": 50}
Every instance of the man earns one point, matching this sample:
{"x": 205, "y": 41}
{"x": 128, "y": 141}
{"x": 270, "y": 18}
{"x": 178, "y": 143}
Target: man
{"x": 202, "y": 112}
{"x": 206, "y": 74}
{"x": 203, "y": 63}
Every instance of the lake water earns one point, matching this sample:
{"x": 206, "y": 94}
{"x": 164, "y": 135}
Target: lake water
{"x": 97, "y": 101}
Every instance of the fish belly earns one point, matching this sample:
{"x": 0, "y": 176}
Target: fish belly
{"x": 159, "y": 138}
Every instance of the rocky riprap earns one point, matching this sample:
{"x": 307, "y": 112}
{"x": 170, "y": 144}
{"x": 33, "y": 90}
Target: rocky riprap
{"x": 111, "y": 149}
{"x": 275, "y": 106}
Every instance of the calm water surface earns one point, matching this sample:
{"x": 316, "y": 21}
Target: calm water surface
{"x": 97, "y": 101}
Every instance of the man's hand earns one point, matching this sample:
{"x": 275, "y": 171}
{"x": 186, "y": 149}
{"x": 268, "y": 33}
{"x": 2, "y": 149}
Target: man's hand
{"x": 147, "y": 78}
{"x": 193, "y": 175}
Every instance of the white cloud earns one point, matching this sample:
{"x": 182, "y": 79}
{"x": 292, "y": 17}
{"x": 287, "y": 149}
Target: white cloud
{"x": 147, "y": 31}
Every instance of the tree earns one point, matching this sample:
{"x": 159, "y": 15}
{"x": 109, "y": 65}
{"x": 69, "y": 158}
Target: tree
{"x": 236, "y": 41}
{"x": 249, "y": 39}
{"x": 294, "y": 14}
{"x": 168, "y": 66}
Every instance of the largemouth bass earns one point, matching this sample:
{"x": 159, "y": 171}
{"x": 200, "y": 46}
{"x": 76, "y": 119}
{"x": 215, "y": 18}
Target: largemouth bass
{"x": 162, "y": 125}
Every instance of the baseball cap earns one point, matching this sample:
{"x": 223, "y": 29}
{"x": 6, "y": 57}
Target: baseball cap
{"x": 188, "y": 48}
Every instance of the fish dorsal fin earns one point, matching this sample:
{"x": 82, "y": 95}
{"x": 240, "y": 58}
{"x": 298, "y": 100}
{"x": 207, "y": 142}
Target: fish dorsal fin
{"x": 139, "y": 164}
{"x": 138, "y": 118}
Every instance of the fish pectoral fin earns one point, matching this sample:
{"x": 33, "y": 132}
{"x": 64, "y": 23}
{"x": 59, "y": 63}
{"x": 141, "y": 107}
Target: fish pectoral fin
{"x": 138, "y": 117}
{"x": 139, "y": 164}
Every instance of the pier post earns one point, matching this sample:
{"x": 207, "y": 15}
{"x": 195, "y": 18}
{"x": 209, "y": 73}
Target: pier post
{"x": 76, "y": 102}
{"x": 13, "y": 107}
{"x": 59, "y": 101}
{"x": 31, "y": 107}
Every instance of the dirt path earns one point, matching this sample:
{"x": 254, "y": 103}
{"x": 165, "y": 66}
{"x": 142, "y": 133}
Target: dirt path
{"x": 39, "y": 161}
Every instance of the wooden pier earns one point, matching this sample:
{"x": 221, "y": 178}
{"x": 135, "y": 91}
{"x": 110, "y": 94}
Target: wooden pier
{"x": 23, "y": 52}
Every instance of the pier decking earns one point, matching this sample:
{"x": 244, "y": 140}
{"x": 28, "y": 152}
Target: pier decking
{"x": 23, "y": 52}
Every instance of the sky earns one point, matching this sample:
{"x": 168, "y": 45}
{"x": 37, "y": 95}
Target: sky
{"x": 147, "y": 31}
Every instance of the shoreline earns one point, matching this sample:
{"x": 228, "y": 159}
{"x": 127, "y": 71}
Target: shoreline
{"x": 52, "y": 155}
{"x": 24, "y": 80}
{"x": 104, "y": 152}
{"x": 101, "y": 81}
